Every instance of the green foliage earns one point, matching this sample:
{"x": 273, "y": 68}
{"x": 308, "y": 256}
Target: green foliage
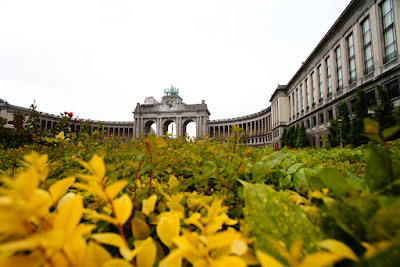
{"x": 357, "y": 124}
{"x": 273, "y": 219}
{"x": 345, "y": 116}
{"x": 302, "y": 140}
{"x": 384, "y": 109}
{"x": 290, "y": 199}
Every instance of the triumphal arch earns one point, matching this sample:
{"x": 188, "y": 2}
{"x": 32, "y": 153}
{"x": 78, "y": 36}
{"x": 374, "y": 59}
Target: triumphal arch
{"x": 170, "y": 109}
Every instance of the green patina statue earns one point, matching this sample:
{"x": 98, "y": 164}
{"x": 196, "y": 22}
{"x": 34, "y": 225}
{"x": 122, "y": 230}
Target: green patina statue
{"x": 171, "y": 91}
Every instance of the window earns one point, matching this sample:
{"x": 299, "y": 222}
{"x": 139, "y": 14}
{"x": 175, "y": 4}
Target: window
{"x": 330, "y": 114}
{"x": 370, "y": 96}
{"x": 293, "y": 105}
{"x": 368, "y": 56}
{"x": 339, "y": 69}
{"x": 388, "y": 31}
{"x": 352, "y": 58}
{"x": 393, "y": 89}
{"x": 308, "y": 123}
{"x": 307, "y": 95}
{"x": 321, "y": 118}
{"x": 297, "y": 101}
{"x": 313, "y": 88}
{"x": 352, "y": 104}
{"x": 290, "y": 109}
{"x": 328, "y": 76}
{"x": 301, "y": 98}
{"x": 314, "y": 121}
{"x": 320, "y": 83}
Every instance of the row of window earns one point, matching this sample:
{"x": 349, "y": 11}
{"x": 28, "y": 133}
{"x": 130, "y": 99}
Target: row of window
{"x": 390, "y": 52}
{"x": 392, "y": 88}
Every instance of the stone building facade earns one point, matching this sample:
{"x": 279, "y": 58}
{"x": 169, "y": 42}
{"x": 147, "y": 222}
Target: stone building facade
{"x": 359, "y": 51}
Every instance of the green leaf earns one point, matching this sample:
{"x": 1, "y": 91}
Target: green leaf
{"x": 301, "y": 177}
{"x": 377, "y": 175}
{"x": 374, "y": 138}
{"x": 385, "y": 224}
{"x": 274, "y": 159}
{"x": 292, "y": 169}
{"x": 332, "y": 179}
{"x": 355, "y": 182}
{"x": 390, "y": 131}
{"x": 271, "y": 216}
{"x": 351, "y": 215}
{"x": 385, "y": 257}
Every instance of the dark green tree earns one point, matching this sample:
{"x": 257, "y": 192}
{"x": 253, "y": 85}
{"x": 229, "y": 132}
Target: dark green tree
{"x": 291, "y": 137}
{"x": 334, "y": 136}
{"x": 345, "y": 117}
{"x": 283, "y": 138}
{"x": 361, "y": 106}
{"x": 384, "y": 109}
{"x": 302, "y": 140}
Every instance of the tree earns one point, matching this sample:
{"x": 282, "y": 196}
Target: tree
{"x": 384, "y": 109}
{"x": 357, "y": 124}
{"x": 345, "y": 116}
{"x": 302, "y": 140}
{"x": 291, "y": 137}
{"x": 334, "y": 137}
{"x": 283, "y": 138}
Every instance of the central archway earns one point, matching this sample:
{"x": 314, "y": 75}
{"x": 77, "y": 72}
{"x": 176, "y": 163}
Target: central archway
{"x": 170, "y": 113}
{"x": 170, "y": 129}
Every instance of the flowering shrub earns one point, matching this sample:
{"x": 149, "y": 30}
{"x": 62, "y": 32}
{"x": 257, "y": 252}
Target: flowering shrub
{"x": 168, "y": 202}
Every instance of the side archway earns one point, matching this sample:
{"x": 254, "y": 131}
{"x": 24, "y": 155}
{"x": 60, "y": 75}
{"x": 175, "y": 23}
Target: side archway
{"x": 189, "y": 127}
{"x": 170, "y": 128}
{"x": 150, "y": 127}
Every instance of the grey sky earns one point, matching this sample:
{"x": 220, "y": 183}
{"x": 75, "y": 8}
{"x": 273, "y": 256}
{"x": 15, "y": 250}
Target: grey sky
{"x": 99, "y": 58}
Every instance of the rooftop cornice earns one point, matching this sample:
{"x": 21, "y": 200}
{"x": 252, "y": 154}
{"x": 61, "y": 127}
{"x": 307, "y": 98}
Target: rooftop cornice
{"x": 348, "y": 11}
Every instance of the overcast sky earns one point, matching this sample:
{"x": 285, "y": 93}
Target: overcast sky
{"x": 99, "y": 58}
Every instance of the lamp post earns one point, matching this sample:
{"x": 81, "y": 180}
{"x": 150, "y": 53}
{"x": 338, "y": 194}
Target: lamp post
{"x": 340, "y": 121}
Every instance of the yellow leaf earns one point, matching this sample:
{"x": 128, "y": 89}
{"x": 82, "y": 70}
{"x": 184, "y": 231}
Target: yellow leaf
{"x": 239, "y": 247}
{"x": 320, "y": 259}
{"x": 266, "y": 260}
{"x": 94, "y": 189}
{"x": 296, "y": 249}
{"x": 113, "y": 189}
{"x": 140, "y": 229}
{"x": 75, "y": 250}
{"x": 168, "y": 227}
{"x": 91, "y": 214}
{"x": 123, "y": 208}
{"x": 229, "y": 261}
{"x": 20, "y": 245}
{"x": 38, "y": 162}
{"x": 370, "y": 249}
{"x": 176, "y": 207}
{"x": 111, "y": 239}
{"x": 22, "y": 260}
{"x": 96, "y": 255}
{"x": 195, "y": 220}
{"x": 338, "y": 248}
{"x": 147, "y": 255}
{"x": 96, "y": 167}
{"x": 222, "y": 239}
{"x": 117, "y": 263}
{"x": 173, "y": 181}
{"x": 59, "y": 188}
{"x": 149, "y": 204}
{"x": 69, "y": 214}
